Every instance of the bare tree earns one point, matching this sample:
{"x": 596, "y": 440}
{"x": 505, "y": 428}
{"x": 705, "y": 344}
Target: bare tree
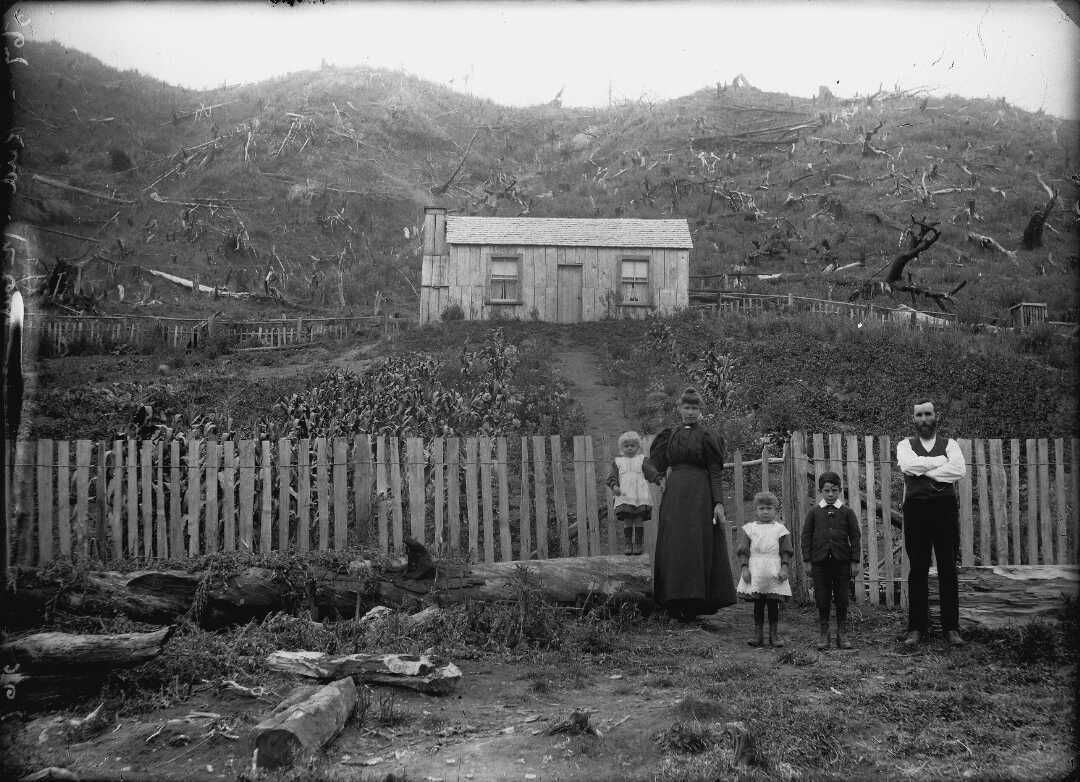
{"x": 1033, "y": 234}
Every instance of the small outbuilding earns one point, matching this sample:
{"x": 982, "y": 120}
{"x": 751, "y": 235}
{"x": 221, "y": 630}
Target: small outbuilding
{"x": 553, "y": 269}
{"x": 1027, "y": 314}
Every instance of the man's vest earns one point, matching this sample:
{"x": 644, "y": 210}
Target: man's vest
{"x": 920, "y": 487}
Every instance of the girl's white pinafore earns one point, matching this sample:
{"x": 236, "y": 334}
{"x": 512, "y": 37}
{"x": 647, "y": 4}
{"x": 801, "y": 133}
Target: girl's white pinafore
{"x": 765, "y": 561}
{"x": 632, "y": 484}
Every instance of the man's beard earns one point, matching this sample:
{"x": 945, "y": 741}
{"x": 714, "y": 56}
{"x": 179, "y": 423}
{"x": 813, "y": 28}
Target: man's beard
{"x": 926, "y": 431}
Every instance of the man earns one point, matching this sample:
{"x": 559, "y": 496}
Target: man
{"x": 931, "y": 466}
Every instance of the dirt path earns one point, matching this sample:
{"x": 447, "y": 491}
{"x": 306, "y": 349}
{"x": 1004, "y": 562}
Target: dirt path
{"x": 604, "y": 415}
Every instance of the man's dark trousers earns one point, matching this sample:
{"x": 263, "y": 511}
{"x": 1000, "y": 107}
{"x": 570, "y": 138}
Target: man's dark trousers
{"x": 932, "y": 523}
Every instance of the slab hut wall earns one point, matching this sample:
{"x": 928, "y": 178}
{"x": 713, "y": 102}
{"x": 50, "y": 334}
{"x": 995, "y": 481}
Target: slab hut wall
{"x": 459, "y": 275}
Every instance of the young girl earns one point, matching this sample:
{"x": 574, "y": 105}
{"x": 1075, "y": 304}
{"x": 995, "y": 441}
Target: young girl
{"x": 765, "y": 551}
{"x": 629, "y": 482}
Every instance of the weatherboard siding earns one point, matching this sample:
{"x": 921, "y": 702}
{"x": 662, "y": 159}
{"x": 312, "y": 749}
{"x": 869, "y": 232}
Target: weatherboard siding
{"x": 465, "y": 281}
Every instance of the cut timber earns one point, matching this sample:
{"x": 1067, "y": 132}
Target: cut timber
{"x": 569, "y": 580}
{"x": 52, "y": 651}
{"x": 305, "y": 727}
{"x": 49, "y": 669}
{"x": 65, "y": 186}
{"x": 1005, "y": 595}
{"x": 199, "y": 286}
{"x": 160, "y": 596}
{"x": 421, "y": 673}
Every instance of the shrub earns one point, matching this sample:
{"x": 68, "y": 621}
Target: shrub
{"x": 453, "y": 312}
{"x": 119, "y": 160}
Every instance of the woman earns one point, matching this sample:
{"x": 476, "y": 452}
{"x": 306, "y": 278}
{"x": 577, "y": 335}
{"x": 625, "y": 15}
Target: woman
{"x": 691, "y": 569}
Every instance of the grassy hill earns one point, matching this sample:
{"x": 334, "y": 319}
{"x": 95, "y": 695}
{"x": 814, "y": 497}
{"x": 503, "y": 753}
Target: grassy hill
{"x": 340, "y": 161}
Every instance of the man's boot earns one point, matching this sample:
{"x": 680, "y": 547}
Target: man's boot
{"x": 759, "y": 635}
{"x": 774, "y": 635}
{"x": 842, "y": 641}
{"x": 823, "y": 641}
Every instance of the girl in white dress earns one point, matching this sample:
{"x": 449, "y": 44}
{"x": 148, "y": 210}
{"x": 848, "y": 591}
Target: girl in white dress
{"x": 629, "y": 479}
{"x": 765, "y": 551}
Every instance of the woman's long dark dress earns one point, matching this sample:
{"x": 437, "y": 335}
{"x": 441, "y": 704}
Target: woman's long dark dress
{"x": 691, "y": 568}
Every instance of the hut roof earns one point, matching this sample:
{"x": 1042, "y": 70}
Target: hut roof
{"x": 571, "y": 232}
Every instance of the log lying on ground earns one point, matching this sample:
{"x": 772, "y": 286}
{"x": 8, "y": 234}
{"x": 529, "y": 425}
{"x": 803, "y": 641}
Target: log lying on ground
{"x": 59, "y": 651}
{"x": 45, "y": 669}
{"x": 994, "y": 597}
{"x": 160, "y": 596}
{"x": 421, "y": 673}
{"x": 294, "y": 730}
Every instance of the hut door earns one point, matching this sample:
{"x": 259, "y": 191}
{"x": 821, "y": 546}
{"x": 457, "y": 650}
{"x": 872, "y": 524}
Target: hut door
{"x": 569, "y": 300}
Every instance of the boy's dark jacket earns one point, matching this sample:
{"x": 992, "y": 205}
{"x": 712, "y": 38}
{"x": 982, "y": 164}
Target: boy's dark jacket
{"x": 838, "y": 534}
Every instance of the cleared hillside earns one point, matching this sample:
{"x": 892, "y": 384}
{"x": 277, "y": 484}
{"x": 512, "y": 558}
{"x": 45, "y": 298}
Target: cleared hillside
{"x": 321, "y": 176}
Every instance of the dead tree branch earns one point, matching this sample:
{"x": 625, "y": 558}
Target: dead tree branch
{"x": 441, "y": 189}
{"x": 1033, "y": 234}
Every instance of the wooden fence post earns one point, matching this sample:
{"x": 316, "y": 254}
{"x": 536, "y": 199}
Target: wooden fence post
{"x": 213, "y": 471}
{"x": 873, "y": 549}
{"x": 176, "y": 519}
{"x": 967, "y": 529}
{"x": 228, "y": 495}
{"x": 438, "y": 470}
{"x": 63, "y": 503}
{"x": 44, "y": 502}
{"x": 998, "y": 495}
{"x": 471, "y": 499}
{"x": 982, "y": 481}
{"x": 322, "y": 477}
{"x": 524, "y": 518}
{"x": 453, "y": 493}
{"x": 414, "y": 470}
{"x": 1045, "y": 521}
{"x": 487, "y": 505}
{"x": 396, "y": 512}
{"x": 581, "y": 510}
{"x": 363, "y": 480}
{"x": 1014, "y": 499}
{"x": 851, "y": 463}
{"x": 284, "y": 482}
{"x": 1062, "y": 546}
{"x": 266, "y": 492}
{"x": 539, "y": 465}
{"x": 382, "y": 489}
{"x": 885, "y": 499}
{"x": 506, "y": 552}
{"x": 247, "y": 496}
{"x": 558, "y": 482}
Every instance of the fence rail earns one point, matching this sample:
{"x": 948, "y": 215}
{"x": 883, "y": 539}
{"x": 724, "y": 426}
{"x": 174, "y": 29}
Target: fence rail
{"x": 495, "y": 498}
{"x": 60, "y": 332}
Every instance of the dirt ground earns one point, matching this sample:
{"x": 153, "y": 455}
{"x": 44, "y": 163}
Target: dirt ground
{"x": 876, "y": 712}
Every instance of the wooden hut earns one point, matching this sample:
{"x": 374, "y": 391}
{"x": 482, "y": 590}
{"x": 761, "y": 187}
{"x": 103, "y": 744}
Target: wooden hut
{"x": 552, "y": 269}
{"x": 1027, "y": 314}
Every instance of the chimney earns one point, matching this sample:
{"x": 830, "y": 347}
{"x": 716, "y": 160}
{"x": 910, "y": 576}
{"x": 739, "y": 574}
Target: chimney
{"x": 434, "y": 230}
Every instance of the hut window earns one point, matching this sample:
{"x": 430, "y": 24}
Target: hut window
{"x": 635, "y": 280}
{"x": 504, "y": 285}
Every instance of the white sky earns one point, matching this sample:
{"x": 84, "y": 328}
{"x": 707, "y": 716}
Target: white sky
{"x": 522, "y": 53}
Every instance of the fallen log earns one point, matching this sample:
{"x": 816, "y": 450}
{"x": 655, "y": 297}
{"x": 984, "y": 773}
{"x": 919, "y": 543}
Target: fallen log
{"x": 422, "y": 673}
{"x": 161, "y": 596}
{"x": 46, "y": 669}
{"x": 300, "y": 729}
{"x": 1007, "y": 595}
{"x": 59, "y": 651}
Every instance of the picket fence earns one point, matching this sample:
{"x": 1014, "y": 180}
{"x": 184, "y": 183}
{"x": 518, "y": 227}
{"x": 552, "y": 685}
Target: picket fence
{"x": 494, "y": 498}
{"x": 59, "y": 332}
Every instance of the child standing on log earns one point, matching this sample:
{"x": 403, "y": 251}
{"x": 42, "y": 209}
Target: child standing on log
{"x": 765, "y": 552}
{"x": 629, "y": 482}
{"x": 830, "y": 545}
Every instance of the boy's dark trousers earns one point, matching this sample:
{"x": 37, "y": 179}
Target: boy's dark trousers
{"x": 932, "y": 524}
{"x": 831, "y": 578}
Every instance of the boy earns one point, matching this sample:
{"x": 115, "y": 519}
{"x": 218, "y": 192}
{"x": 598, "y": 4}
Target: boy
{"x": 830, "y": 544}
{"x": 629, "y": 482}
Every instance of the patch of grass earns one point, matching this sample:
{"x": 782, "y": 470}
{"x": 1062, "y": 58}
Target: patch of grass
{"x": 697, "y": 709}
{"x": 687, "y": 738}
{"x": 796, "y": 656}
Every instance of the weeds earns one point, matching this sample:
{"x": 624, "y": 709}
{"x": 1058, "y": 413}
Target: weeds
{"x": 687, "y": 738}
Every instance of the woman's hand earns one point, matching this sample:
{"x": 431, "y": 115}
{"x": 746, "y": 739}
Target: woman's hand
{"x": 616, "y": 491}
{"x": 785, "y": 573}
{"x": 718, "y": 514}
{"x": 856, "y": 569}
{"x": 744, "y": 574}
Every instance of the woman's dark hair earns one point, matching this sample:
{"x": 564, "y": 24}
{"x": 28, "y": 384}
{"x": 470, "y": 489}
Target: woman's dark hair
{"x": 690, "y": 396}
